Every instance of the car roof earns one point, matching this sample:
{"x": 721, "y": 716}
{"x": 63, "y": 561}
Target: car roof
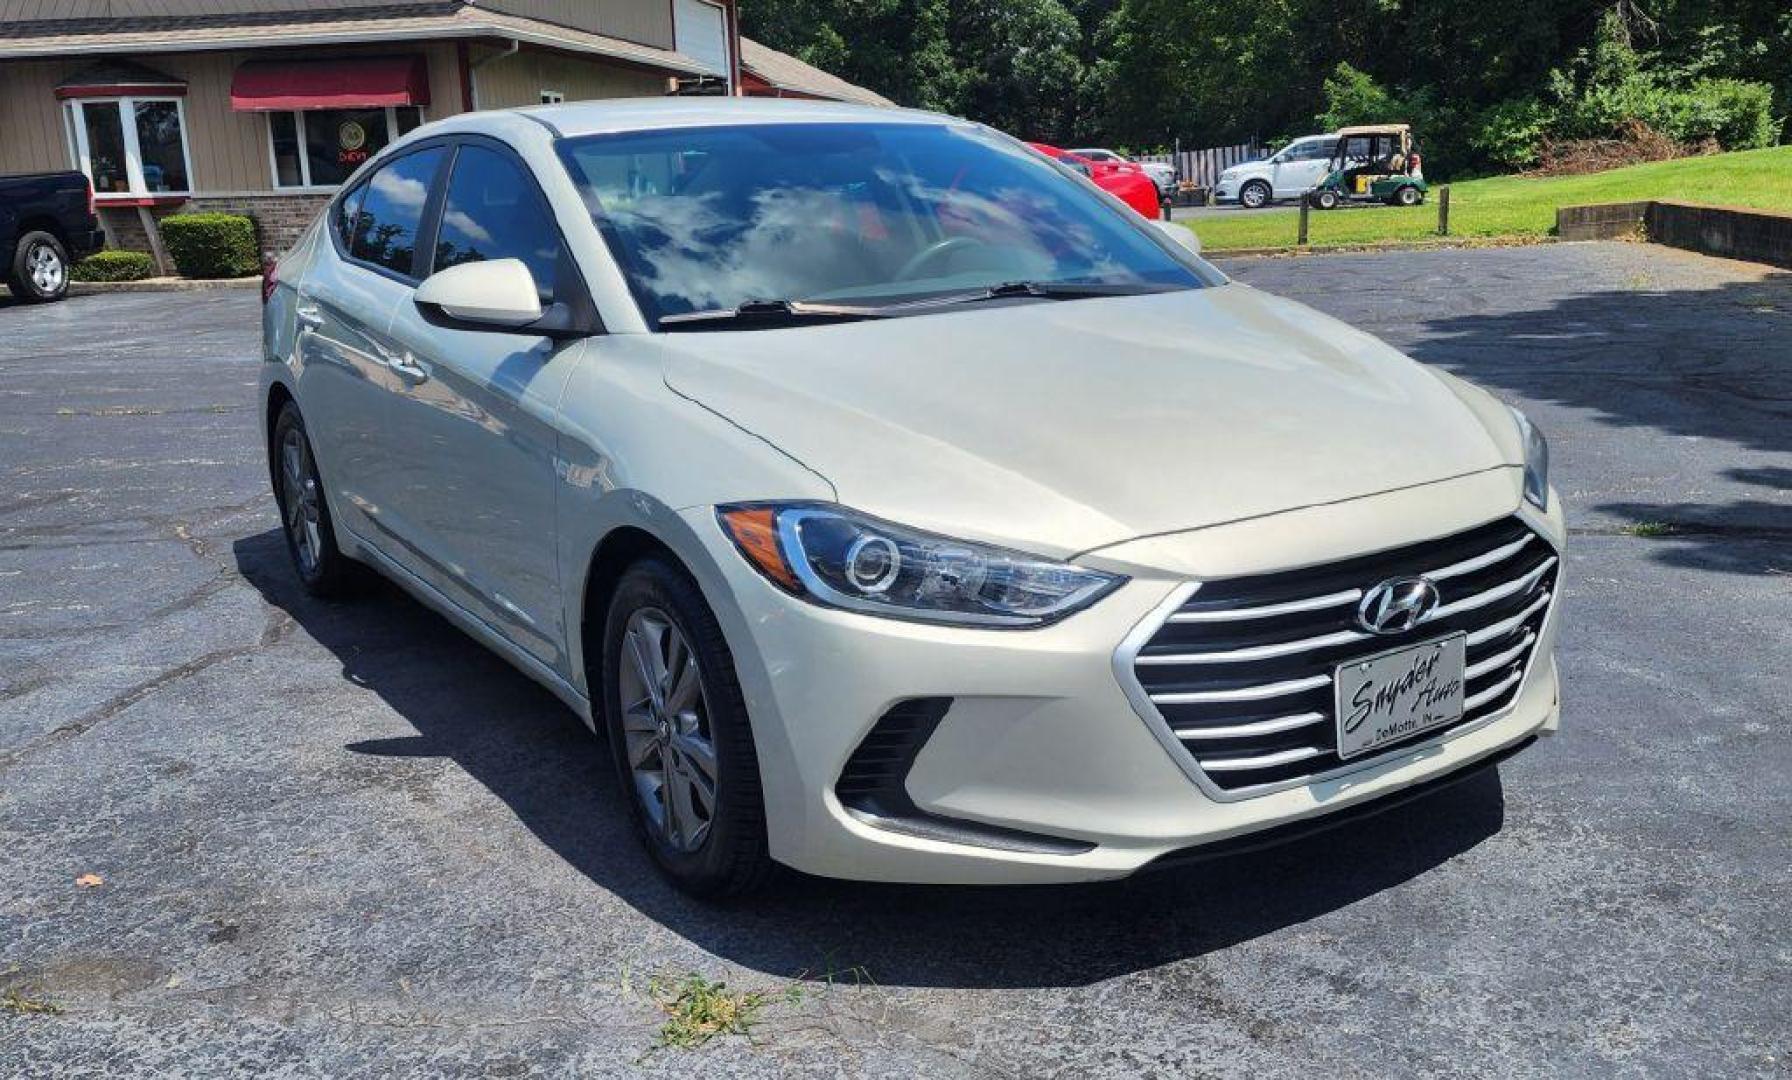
{"x": 576, "y": 118}
{"x": 1374, "y": 129}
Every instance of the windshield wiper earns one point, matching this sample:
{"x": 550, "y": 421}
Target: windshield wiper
{"x": 759, "y": 314}
{"x": 1044, "y": 290}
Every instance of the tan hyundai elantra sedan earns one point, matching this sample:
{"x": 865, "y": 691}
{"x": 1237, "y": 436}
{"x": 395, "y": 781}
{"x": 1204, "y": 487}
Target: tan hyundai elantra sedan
{"x": 901, "y": 506}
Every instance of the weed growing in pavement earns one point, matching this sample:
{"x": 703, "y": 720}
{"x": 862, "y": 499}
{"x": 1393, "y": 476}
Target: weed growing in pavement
{"x": 16, "y": 1001}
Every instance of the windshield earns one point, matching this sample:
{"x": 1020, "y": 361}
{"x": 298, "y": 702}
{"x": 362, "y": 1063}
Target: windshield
{"x": 706, "y": 219}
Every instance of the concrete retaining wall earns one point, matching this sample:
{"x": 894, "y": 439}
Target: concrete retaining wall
{"x": 1601, "y": 221}
{"x": 1730, "y": 232}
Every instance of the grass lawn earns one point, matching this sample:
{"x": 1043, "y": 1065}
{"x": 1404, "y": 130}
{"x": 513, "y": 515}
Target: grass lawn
{"x": 1521, "y": 206}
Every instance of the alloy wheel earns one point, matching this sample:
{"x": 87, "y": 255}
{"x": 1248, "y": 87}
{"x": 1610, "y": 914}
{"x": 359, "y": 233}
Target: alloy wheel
{"x": 670, "y": 748}
{"x": 46, "y": 269}
{"x": 299, "y": 500}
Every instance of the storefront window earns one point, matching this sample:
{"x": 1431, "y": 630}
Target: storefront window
{"x": 105, "y": 146}
{"x": 323, "y": 147}
{"x": 159, "y": 146}
{"x": 131, "y": 146}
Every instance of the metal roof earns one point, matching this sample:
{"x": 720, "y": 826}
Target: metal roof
{"x": 395, "y": 23}
{"x": 785, "y": 72}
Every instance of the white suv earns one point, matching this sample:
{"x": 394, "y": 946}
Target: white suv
{"x": 1289, "y": 173}
{"x": 899, "y": 505}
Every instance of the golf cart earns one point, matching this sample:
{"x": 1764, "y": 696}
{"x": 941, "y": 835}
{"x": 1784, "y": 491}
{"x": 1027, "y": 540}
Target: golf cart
{"x": 1378, "y": 162}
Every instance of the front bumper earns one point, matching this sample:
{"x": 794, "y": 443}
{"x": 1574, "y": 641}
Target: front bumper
{"x": 1041, "y": 738}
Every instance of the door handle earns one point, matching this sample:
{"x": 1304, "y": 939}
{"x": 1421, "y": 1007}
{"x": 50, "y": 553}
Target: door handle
{"x": 307, "y": 315}
{"x": 408, "y": 367}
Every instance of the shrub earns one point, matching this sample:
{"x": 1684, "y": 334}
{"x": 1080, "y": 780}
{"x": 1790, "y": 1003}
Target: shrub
{"x": 212, "y": 245}
{"x": 113, "y": 266}
{"x": 1510, "y": 134}
{"x": 1738, "y": 114}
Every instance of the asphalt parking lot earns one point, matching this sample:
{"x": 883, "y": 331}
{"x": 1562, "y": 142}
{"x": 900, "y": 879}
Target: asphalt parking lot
{"x": 341, "y": 839}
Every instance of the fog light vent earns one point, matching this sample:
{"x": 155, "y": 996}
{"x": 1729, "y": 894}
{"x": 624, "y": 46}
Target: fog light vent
{"x": 874, "y": 786}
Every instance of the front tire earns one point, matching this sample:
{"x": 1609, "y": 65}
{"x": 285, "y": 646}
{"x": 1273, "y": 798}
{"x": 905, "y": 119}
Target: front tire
{"x": 679, "y": 734}
{"x": 1325, "y": 199}
{"x": 323, "y": 570}
{"x": 39, "y": 271}
{"x": 1408, "y": 196}
{"x": 1254, "y": 195}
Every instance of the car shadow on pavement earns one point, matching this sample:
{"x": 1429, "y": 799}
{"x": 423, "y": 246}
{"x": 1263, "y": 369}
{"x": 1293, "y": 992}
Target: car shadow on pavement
{"x": 1711, "y": 364}
{"x": 522, "y": 744}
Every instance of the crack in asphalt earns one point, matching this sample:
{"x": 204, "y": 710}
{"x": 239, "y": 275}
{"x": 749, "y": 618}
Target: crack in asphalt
{"x": 278, "y": 626}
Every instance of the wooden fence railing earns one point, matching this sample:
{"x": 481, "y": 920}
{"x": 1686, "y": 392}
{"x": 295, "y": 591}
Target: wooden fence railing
{"x": 1203, "y": 167}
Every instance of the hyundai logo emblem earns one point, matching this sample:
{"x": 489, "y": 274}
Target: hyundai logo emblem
{"x": 1397, "y": 605}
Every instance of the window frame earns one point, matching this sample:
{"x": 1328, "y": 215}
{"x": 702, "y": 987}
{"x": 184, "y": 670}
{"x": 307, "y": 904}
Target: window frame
{"x": 425, "y": 222}
{"x": 570, "y": 287}
{"x": 432, "y": 227}
{"x": 306, "y": 187}
{"x": 81, "y": 153}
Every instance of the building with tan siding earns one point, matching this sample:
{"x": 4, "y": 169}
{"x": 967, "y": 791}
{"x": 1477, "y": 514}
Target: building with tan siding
{"x": 264, "y": 107}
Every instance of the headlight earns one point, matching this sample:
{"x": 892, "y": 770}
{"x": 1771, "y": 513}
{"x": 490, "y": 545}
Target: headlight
{"x": 842, "y": 559}
{"x": 1536, "y": 461}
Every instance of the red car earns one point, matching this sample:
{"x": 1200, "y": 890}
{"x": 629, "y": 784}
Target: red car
{"x": 1123, "y": 180}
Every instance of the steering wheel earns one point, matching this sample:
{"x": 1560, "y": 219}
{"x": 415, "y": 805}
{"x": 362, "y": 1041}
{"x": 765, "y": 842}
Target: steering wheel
{"x": 934, "y": 252}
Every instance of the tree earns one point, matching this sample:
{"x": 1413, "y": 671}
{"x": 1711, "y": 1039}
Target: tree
{"x": 1482, "y": 82}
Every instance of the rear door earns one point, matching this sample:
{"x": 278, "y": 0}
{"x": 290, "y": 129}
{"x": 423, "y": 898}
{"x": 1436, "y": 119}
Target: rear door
{"x": 475, "y": 410}
{"x": 344, "y": 304}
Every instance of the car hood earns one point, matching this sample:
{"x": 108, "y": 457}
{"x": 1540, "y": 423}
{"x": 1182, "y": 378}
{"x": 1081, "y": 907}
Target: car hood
{"x": 1062, "y": 426}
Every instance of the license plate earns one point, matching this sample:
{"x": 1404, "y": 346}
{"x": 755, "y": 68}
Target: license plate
{"x": 1384, "y": 699}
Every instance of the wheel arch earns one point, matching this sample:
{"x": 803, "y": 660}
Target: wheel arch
{"x": 277, "y": 398}
{"x": 645, "y": 528}
{"x": 42, "y": 223}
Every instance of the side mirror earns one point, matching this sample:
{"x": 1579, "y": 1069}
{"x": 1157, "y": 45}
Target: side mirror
{"x": 495, "y": 295}
{"x": 1180, "y": 234}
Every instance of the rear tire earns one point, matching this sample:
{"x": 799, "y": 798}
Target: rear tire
{"x": 1255, "y": 195}
{"x": 323, "y": 570}
{"x": 39, "y": 270}
{"x": 683, "y": 748}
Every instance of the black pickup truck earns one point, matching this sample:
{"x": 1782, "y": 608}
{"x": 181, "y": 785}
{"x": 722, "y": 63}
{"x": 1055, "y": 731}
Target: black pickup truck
{"x": 46, "y": 222}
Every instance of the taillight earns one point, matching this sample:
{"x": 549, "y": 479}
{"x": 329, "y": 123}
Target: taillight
{"x": 92, "y": 210}
{"x": 270, "y": 277}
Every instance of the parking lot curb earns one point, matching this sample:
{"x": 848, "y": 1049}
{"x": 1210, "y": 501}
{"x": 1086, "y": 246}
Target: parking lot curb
{"x": 94, "y": 288}
{"x": 1396, "y": 245}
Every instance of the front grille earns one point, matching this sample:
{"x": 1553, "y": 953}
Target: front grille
{"x": 1242, "y": 671}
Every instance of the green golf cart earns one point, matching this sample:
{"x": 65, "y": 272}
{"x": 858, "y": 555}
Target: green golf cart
{"x": 1377, "y": 163}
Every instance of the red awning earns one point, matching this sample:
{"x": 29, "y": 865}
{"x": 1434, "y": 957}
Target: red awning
{"x": 356, "y": 83}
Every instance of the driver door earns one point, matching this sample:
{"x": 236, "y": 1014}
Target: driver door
{"x": 477, "y": 412}
{"x": 1304, "y": 167}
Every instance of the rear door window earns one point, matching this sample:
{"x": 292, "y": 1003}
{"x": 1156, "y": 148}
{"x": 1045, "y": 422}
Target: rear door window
{"x": 493, "y": 210}
{"x": 385, "y": 229}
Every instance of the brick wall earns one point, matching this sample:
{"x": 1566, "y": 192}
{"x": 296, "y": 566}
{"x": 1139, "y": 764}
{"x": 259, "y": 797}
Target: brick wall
{"x": 279, "y": 219}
